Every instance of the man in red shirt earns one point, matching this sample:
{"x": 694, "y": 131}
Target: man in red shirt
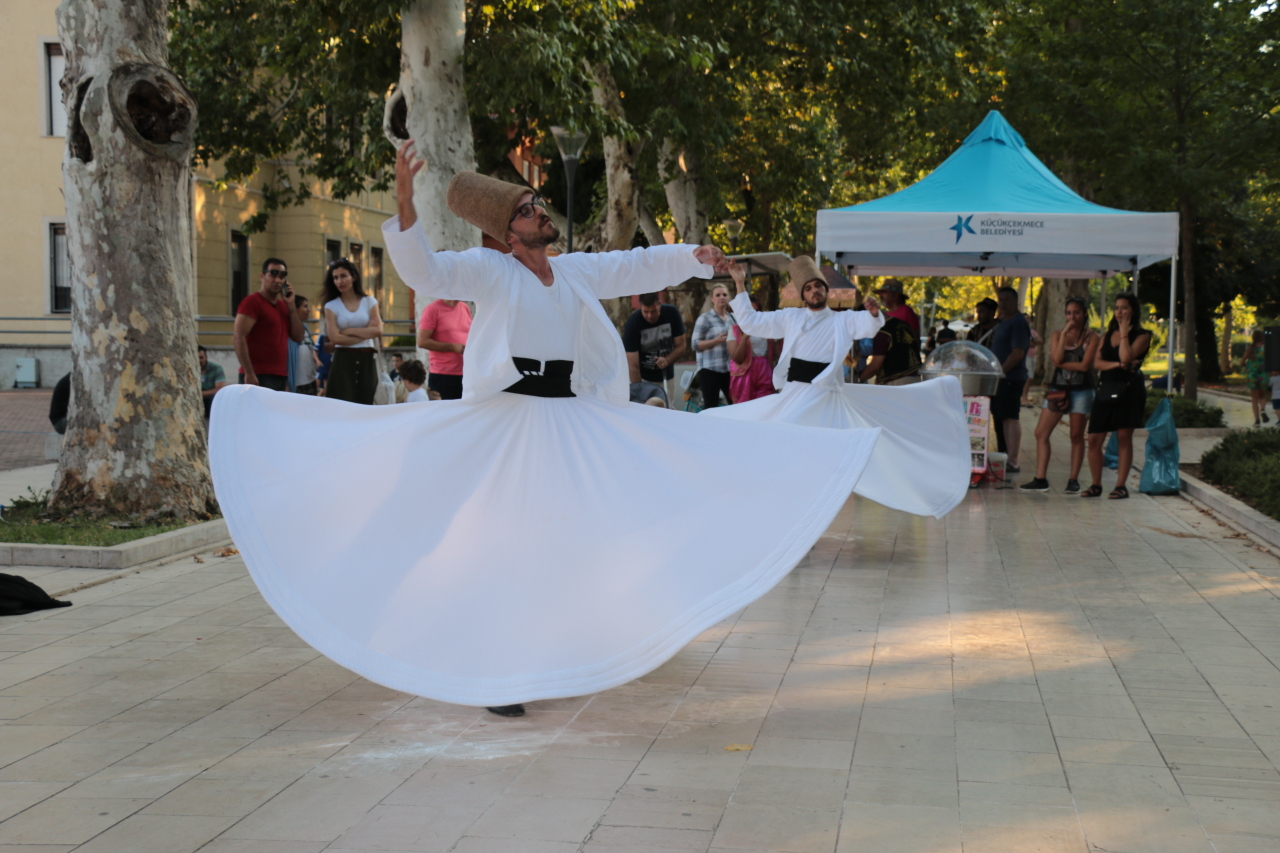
{"x": 265, "y": 322}
{"x": 442, "y": 330}
{"x": 895, "y": 304}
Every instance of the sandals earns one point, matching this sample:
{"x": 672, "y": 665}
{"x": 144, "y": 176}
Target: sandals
{"x": 1119, "y": 493}
{"x": 1094, "y": 491}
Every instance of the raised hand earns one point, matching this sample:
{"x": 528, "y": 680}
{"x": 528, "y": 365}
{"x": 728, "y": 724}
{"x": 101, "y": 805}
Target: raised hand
{"x": 739, "y": 276}
{"x": 408, "y": 164}
{"x": 713, "y": 257}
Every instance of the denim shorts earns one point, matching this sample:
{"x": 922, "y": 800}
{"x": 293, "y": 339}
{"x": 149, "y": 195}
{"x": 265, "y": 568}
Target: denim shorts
{"x": 1081, "y": 402}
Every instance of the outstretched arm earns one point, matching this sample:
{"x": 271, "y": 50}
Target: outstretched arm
{"x": 628, "y": 273}
{"x": 864, "y": 323}
{"x": 444, "y": 275}
{"x": 764, "y": 324}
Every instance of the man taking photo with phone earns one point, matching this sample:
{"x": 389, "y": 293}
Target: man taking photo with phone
{"x": 265, "y": 323}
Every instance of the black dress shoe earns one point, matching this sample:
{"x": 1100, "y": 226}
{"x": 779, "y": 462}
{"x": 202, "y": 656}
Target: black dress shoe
{"x": 507, "y": 710}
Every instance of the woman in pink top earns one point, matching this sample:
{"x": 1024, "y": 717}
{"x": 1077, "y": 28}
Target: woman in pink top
{"x": 442, "y": 330}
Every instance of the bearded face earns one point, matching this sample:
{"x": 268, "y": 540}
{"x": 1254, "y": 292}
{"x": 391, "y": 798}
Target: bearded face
{"x": 814, "y": 295}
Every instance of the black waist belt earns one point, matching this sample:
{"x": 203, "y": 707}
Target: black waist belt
{"x": 805, "y": 371}
{"x": 543, "y": 380}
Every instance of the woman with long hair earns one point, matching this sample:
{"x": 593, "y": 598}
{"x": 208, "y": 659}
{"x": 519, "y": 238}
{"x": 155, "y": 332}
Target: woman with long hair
{"x": 1256, "y": 377}
{"x": 353, "y": 323}
{"x": 1121, "y": 401}
{"x": 1073, "y": 349}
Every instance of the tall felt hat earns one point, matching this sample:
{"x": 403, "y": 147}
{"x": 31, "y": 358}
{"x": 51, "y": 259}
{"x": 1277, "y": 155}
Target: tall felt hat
{"x": 485, "y": 202}
{"x": 803, "y": 270}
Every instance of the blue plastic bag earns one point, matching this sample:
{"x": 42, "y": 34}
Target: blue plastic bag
{"x": 1111, "y": 453}
{"x": 1160, "y": 471}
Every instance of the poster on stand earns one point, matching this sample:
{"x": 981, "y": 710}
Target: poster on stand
{"x": 978, "y": 415}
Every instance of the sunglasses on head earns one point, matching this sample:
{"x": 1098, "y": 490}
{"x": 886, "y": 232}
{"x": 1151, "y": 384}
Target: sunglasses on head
{"x": 529, "y": 208}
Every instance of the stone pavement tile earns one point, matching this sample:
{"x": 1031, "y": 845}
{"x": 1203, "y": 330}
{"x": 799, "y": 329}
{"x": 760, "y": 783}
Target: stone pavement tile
{"x": 216, "y": 797}
{"x": 831, "y": 655}
{"x": 1105, "y": 751}
{"x": 66, "y": 820}
{"x": 573, "y": 778}
{"x": 476, "y": 844}
{"x": 640, "y": 839}
{"x": 802, "y": 723}
{"x": 825, "y": 677}
{"x": 18, "y": 796}
{"x": 158, "y": 834}
{"x": 897, "y": 786}
{"x": 18, "y": 742}
{"x": 467, "y": 786}
{"x": 1105, "y": 728}
{"x": 684, "y": 808}
{"x": 406, "y": 828}
{"x": 705, "y": 738}
{"x": 1108, "y": 785}
{"x": 801, "y": 752}
{"x": 985, "y": 711}
{"x": 1227, "y": 817}
{"x": 800, "y": 787}
{"x": 526, "y": 818}
{"x": 1232, "y": 844}
{"x": 315, "y": 809}
{"x": 245, "y": 845}
{"x": 1090, "y": 705}
{"x": 67, "y": 762}
{"x": 906, "y": 751}
{"x": 788, "y": 830}
{"x": 1013, "y": 794}
{"x": 1009, "y": 767}
{"x": 937, "y": 698}
{"x": 904, "y": 721}
{"x": 1137, "y": 830}
{"x": 681, "y": 770}
{"x": 987, "y": 735}
{"x": 899, "y": 829}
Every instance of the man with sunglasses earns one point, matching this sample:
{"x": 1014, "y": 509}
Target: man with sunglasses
{"x": 265, "y": 323}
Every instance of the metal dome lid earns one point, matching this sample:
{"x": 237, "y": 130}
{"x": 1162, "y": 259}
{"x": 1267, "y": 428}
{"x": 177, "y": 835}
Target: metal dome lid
{"x": 957, "y": 358}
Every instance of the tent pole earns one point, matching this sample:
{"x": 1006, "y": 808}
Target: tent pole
{"x": 1102, "y": 304}
{"x": 1135, "y": 282}
{"x": 1173, "y": 295}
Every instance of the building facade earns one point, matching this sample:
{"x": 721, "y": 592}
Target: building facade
{"x": 35, "y": 287}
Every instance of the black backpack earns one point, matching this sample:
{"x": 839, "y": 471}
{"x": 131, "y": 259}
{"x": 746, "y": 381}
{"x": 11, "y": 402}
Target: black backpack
{"x": 19, "y": 596}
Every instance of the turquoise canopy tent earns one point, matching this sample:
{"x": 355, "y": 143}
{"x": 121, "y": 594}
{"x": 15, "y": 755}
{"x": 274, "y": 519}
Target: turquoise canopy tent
{"x": 992, "y": 208}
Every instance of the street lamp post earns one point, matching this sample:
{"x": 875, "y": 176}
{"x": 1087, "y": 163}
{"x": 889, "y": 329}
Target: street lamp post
{"x": 734, "y": 227}
{"x": 570, "y": 144}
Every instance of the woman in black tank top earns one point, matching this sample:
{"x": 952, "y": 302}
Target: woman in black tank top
{"x": 1122, "y": 393}
{"x": 1073, "y": 349}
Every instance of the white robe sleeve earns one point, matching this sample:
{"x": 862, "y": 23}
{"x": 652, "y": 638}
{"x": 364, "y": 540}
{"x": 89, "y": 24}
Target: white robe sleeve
{"x": 762, "y": 324}
{"x": 441, "y": 275}
{"x": 638, "y": 270}
{"x": 860, "y": 324}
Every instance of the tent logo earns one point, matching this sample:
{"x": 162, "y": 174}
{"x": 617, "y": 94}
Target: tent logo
{"x": 962, "y": 225}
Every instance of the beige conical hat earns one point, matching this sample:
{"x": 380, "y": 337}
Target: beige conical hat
{"x": 803, "y": 270}
{"x": 485, "y": 202}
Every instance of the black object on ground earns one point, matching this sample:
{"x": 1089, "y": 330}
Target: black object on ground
{"x": 19, "y": 595}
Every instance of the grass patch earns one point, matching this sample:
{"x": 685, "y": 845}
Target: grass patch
{"x": 1247, "y": 465}
{"x": 27, "y": 521}
{"x": 1187, "y": 414}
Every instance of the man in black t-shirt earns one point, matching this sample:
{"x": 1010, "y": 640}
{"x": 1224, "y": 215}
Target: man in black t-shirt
{"x": 895, "y": 355}
{"x": 653, "y": 337}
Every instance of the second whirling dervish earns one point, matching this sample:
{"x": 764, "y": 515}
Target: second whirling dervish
{"x": 921, "y": 463}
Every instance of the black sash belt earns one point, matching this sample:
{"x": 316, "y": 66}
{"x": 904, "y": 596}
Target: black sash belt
{"x": 539, "y": 380}
{"x": 805, "y": 371}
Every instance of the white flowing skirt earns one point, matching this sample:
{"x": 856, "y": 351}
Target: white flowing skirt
{"x": 921, "y": 464}
{"x": 518, "y": 548}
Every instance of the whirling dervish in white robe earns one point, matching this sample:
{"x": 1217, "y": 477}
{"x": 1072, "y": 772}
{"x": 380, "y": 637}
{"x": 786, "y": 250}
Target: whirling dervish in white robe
{"x": 921, "y": 464}
{"x": 541, "y": 537}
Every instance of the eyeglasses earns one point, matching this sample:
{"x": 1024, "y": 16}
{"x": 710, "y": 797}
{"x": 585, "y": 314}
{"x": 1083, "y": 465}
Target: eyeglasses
{"x": 277, "y": 273}
{"x": 528, "y": 209}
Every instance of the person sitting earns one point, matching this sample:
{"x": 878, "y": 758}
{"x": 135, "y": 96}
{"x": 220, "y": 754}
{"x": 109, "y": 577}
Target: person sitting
{"x": 414, "y": 375}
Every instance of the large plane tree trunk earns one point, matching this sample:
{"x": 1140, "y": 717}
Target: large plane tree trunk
{"x": 429, "y": 106}
{"x": 135, "y": 439}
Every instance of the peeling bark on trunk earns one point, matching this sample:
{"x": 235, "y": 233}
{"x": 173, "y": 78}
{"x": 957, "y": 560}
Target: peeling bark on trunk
{"x": 135, "y": 439}
{"x": 616, "y": 229}
{"x": 428, "y": 105}
{"x": 679, "y": 172}
{"x": 652, "y": 230}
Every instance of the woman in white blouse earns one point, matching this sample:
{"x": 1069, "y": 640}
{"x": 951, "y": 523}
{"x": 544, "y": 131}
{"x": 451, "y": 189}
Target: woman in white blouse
{"x": 353, "y": 323}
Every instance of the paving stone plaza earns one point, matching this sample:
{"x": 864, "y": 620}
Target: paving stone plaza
{"x": 1032, "y": 673}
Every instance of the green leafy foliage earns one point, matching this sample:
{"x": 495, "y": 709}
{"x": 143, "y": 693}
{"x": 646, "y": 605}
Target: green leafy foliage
{"x": 1247, "y": 464}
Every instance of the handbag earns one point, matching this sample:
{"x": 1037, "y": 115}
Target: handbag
{"x": 1111, "y": 390}
{"x": 1058, "y": 400}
